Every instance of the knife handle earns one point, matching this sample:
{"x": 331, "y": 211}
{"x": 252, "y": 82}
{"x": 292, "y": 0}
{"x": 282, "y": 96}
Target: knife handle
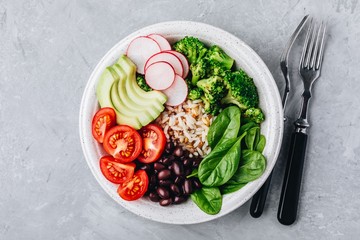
{"x": 259, "y": 199}
{"x": 289, "y": 198}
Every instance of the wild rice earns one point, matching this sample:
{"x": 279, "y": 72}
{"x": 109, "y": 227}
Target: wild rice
{"x": 187, "y": 125}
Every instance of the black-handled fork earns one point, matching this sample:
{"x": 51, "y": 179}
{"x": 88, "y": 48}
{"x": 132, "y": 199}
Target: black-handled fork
{"x": 259, "y": 199}
{"x": 310, "y": 69}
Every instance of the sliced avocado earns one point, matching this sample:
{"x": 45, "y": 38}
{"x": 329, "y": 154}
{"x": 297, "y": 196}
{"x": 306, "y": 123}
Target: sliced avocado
{"x": 103, "y": 90}
{"x": 130, "y": 68}
{"x": 138, "y": 102}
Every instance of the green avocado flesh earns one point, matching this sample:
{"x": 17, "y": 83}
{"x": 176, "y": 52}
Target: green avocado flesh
{"x": 117, "y": 88}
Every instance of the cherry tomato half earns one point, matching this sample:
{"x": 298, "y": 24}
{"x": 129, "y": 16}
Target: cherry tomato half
{"x": 116, "y": 172}
{"x": 134, "y": 188}
{"x": 103, "y": 120}
{"x": 154, "y": 141}
{"x": 123, "y": 143}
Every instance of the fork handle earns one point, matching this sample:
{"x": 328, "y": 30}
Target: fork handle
{"x": 289, "y": 198}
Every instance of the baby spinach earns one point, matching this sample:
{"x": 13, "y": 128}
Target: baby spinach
{"x": 246, "y": 127}
{"x": 221, "y": 164}
{"x": 251, "y": 166}
{"x": 230, "y": 188}
{"x": 225, "y": 126}
{"x": 208, "y": 199}
{"x": 252, "y": 138}
{"x": 261, "y": 144}
{"x": 194, "y": 173}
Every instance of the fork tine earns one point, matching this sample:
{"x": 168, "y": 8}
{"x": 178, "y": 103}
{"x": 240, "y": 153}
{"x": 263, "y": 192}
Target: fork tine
{"x": 310, "y": 46}
{"x": 315, "y": 51}
{"x": 321, "y": 50}
{"x": 302, "y": 59}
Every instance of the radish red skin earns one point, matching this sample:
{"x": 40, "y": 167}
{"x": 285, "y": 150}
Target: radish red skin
{"x": 160, "y": 75}
{"x": 177, "y": 92}
{"x": 161, "y": 40}
{"x": 165, "y": 56}
{"x": 140, "y": 49}
{"x": 183, "y": 60}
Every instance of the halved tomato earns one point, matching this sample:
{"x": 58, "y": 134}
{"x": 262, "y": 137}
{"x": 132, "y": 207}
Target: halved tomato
{"x": 154, "y": 141}
{"x": 134, "y": 188}
{"x": 103, "y": 120}
{"x": 123, "y": 143}
{"x": 116, "y": 172}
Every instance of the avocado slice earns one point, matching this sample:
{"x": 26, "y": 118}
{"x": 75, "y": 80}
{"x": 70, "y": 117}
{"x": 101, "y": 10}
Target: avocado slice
{"x": 103, "y": 90}
{"x": 137, "y": 101}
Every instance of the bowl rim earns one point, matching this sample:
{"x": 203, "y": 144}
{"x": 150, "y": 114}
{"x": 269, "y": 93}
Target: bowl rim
{"x": 200, "y": 26}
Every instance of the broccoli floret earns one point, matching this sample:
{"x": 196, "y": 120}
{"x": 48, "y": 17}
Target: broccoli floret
{"x": 198, "y": 70}
{"x": 214, "y": 90}
{"x": 242, "y": 90}
{"x": 142, "y": 83}
{"x": 195, "y": 93}
{"x": 192, "y": 48}
{"x": 214, "y": 68}
{"x": 215, "y": 53}
{"x": 254, "y": 114}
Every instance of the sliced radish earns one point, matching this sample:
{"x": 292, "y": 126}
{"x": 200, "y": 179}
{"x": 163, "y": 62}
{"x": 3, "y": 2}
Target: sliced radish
{"x": 177, "y": 92}
{"x": 163, "y": 43}
{"x": 183, "y": 60}
{"x": 160, "y": 75}
{"x": 140, "y": 49}
{"x": 170, "y": 58}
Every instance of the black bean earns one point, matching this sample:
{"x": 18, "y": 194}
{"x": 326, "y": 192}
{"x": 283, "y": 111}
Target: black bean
{"x": 196, "y": 162}
{"x": 178, "y": 151}
{"x": 146, "y": 167}
{"x": 165, "y": 183}
{"x": 196, "y": 183}
{"x": 154, "y": 197}
{"x": 175, "y": 190}
{"x": 177, "y": 168}
{"x": 179, "y": 180}
{"x": 153, "y": 179}
{"x": 187, "y": 187}
{"x": 158, "y": 166}
{"x": 163, "y": 192}
{"x": 188, "y": 171}
{"x": 187, "y": 162}
{"x": 166, "y": 161}
{"x": 165, "y": 202}
{"x": 179, "y": 199}
{"x": 164, "y": 174}
{"x": 169, "y": 147}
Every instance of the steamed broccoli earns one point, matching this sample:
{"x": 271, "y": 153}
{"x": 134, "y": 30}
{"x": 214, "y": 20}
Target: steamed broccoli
{"x": 215, "y": 69}
{"x": 214, "y": 91}
{"x": 142, "y": 83}
{"x": 195, "y": 93}
{"x": 198, "y": 70}
{"x": 192, "y": 48}
{"x": 254, "y": 114}
{"x": 215, "y": 53}
{"x": 242, "y": 90}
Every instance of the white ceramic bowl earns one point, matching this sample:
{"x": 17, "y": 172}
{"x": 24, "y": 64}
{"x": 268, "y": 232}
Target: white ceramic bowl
{"x": 272, "y": 128}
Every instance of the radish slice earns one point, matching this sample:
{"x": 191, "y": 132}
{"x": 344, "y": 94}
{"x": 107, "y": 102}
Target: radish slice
{"x": 183, "y": 60}
{"x": 170, "y": 58}
{"x": 140, "y": 49}
{"x": 163, "y": 43}
{"x": 160, "y": 75}
{"x": 177, "y": 92}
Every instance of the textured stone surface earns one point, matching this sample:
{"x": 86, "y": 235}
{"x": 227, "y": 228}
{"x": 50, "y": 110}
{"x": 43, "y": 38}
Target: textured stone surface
{"x": 48, "y": 50}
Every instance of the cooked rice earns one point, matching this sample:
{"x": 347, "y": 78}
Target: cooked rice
{"x": 187, "y": 125}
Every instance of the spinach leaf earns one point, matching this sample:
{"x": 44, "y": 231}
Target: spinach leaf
{"x": 225, "y": 126}
{"x": 208, "y": 199}
{"x": 261, "y": 144}
{"x": 247, "y": 126}
{"x": 221, "y": 164}
{"x": 252, "y": 138}
{"x": 251, "y": 166}
{"x": 230, "y": 188}
{"x": 194, "y": 173}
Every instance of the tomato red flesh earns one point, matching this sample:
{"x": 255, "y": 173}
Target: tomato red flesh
{"x": 116, "y": 172}
{"x": 135, "y": 187}
{"x": 102, "y": 121}
{"x": 123, "y": 143}
{"x": 154, "y": 141}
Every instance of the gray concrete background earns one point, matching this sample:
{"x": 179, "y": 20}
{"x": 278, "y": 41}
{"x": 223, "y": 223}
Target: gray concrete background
{"x": 47, "y": 52}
